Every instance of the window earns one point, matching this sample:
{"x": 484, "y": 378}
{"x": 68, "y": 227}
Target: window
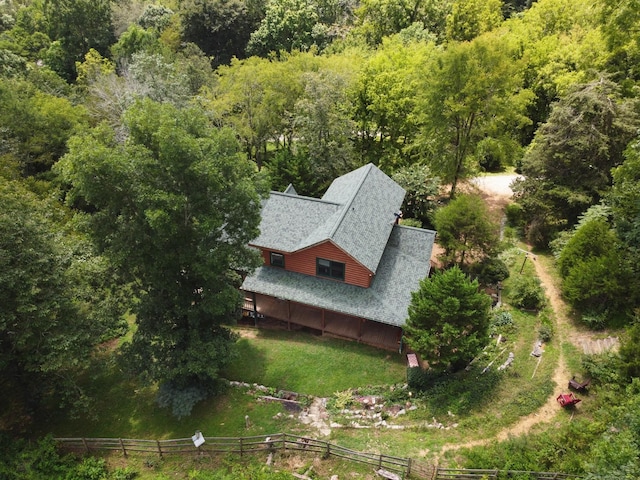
{"x": 328, "y": 268}
{"x": 277, "y": 260}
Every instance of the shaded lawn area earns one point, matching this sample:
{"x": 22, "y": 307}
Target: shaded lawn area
{"x": 300, "y": 362}
{"x": 312, "y": 365}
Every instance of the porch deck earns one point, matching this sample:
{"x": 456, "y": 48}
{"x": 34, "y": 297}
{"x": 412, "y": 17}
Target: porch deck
{"x": 326, "y": 322}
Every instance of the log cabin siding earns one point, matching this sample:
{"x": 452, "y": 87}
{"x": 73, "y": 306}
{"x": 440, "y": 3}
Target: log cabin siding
{"x": 304, "y": 262}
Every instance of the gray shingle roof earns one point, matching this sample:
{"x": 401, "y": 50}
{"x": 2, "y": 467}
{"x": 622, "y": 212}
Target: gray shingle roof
{"x": 355, "y": 213}
{"x": 405, "y": 261}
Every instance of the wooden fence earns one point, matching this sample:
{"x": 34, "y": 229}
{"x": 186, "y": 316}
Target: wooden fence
{"x": 241, "y": 446}
{"x": 471, "y": 474}
{"x": 403, "y": 467}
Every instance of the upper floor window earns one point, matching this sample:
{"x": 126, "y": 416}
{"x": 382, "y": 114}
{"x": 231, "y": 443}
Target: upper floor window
{"x": 277, "y": 259}
{"x": 329, "y": 268}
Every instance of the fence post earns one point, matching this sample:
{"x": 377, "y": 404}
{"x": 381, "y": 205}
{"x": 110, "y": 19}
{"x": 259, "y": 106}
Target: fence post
{"x": 159, "y": 448}
{"x": 124, "y": 450}
{"x": 408, "y": 467}
{"x": 241, "y": 449}
{"x": 380, "y": 462}
{"x": 86, "y": 446}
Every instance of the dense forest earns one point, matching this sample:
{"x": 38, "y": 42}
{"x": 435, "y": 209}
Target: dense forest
{"x": 137, "y": 139}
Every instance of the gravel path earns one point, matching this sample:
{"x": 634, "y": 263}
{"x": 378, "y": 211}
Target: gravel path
{"x": 496, "y": 184}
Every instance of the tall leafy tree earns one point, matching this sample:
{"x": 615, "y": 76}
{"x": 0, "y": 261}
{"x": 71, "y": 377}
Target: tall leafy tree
{"x": 221, "y": 28}
{"x": 448, "y": 320}
{"x": 288, "y": 25}
{"x": 568, "y": 166}
{"x": 174, "y": 208}
{"x": 595, "y": 276}
{"x": 323, "y": 125}
{"x": 257, "y": 97}
{"x": 470, "y": 18}
{"x": 55, "y": 306}
{"x": 35, "y": 126}
{"x": 77, "y": 26}
{"x": 465, "y": 231}
{"x": 624, "y": 200}
{"x": 377, "y": 19}
{"x": 620, "y": 25}
{"x": 422, "y": 188}
{"x": 470, "y": 91}
{"x": 387, "y": 90}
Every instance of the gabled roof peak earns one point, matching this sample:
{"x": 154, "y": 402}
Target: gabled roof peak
{"x": 355, "y": 213}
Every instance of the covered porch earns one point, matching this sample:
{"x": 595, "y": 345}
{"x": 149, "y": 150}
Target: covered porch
{"x": 326, "y": 322}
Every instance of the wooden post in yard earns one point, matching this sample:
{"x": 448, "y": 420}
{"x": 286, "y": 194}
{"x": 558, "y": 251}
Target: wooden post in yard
{"x": 124, "y": 450}
{"x": 86, "y": 446}
{"x": 159, "y": 448}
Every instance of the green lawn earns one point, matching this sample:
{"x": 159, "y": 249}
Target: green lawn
{"x": 283, "y": 360}
{"x": 312, "y": 365}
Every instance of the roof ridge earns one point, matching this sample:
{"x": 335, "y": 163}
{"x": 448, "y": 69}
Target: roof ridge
{"x": 345, "y": 209}
{"x": 303, "y": 197}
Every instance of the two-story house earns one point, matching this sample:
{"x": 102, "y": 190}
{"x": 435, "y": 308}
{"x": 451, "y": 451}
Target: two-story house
{"x": 342, "y": 264}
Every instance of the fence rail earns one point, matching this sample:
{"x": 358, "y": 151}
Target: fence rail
{"x": 237, "y": 445}
{"x": 471, "y": 474}
{"x": 403, "y": 467}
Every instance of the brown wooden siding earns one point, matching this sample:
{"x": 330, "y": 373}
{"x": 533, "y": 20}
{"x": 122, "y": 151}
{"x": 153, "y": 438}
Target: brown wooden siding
{"x": 305, "y": 262}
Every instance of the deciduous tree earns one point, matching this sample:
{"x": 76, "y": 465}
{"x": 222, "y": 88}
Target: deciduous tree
{"x": 470, "y": 18}
{"x": 77, "y": 26}
{"x": 221, "y": 28}
{"x": 465, "y": 230}
{"x": 470, "y": 91}
{"x": 56, "y": 306}
{"x": 422, "y": 188}
{"x": 174, "y": 208}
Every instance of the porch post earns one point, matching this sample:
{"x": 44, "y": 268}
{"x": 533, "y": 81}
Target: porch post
{"x": 255, "y": 309}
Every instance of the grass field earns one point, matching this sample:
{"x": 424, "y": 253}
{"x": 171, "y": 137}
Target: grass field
{"x": 310, "y": 364}
{"x": 283, "y": 360}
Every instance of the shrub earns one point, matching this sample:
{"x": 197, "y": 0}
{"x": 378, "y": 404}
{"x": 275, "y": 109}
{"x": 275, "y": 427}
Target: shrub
{"x": 546, "y": 331}
{"x": 491, "y": 270}
{"x": 527, "y": 293}
{"x": 421, "y": 380}
{"x": 595, "y": 320}
{"x": 125, "y": 473}
{"x": 91, "y": 468}
{"x": 514, "y": 214}
{"x": 181, "y": 400}
{"x": 411, "y": 222}
{"x": 501, "y": 320}
{"x": 343, "y": 399}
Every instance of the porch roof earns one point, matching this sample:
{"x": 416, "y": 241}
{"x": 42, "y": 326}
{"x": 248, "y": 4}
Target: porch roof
{"x": 405, "y": 261}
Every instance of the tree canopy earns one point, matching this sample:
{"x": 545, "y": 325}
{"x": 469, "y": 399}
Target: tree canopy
{"x": 57, "y": 305}
{"x": 174, "y": 208}
{"x": 466, "y": 231}
{"x": 568, "y": 165}
{"x": 448, "y": 320}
